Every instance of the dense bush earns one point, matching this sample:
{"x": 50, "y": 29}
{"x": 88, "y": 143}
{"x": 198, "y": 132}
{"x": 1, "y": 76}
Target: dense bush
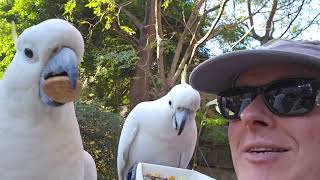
{"x": 100, "y": 131}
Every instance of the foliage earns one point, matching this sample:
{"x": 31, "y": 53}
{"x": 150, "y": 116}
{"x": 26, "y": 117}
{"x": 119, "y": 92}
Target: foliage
{"x": 165, "y": 4}
{"x": 229, "y": 36}
{"x": 104, "y": 9}
{"x": 100, "y": 131}
{"x": 215, "y": 129}
{"x": 214, "y": 135}
{"x": 111, "y": 18}
{"x": 6, "y": 46}
{"x": 107, "y": 73}
{"x": 212, "y": 126}
{"x": 24, "y": 14}
{"x": 108, "y": 64}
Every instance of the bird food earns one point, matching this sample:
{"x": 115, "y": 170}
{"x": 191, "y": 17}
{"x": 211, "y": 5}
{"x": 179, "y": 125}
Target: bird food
{"x": 156, "y": 177}
{"x": 59, "y": 89}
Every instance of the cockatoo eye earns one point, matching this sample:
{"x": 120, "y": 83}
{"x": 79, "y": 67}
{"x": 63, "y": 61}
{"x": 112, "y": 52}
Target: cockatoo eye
{"x": 170, "y": 103}
{"x": 28, "y": 52}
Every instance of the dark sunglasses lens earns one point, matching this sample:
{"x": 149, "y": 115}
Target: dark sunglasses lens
{"x": 231, "y": 105}
{"x": 291, "y": 100}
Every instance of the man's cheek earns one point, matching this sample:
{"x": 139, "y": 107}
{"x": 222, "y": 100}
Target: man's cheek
{"x": 234, "y": 135}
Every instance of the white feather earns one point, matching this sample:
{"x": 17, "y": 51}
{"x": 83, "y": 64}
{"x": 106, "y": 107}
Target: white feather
{"x": 38, "y": 142}
{"x": 148, "y": 135}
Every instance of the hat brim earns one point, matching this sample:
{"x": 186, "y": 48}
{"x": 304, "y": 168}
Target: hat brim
{"x": 218, "y": 74}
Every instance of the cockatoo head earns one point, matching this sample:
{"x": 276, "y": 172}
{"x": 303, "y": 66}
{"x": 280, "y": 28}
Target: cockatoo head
{"x": 183, "y": 101}
{"x": 51, "y": 48}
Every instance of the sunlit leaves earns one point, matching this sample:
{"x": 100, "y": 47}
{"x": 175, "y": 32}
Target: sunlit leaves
{"x": 128, "y": 30}
{"x": 69, "y": 7}
{"x": 165, "y": 4}
{"x": 104, "y": 9}
{"x": 24, "y": 14}
{"x": 109, "y": 20}
{"x": 26, "y": 10}
{"x": 102, "y": 6}
{"x": 6, "y": 46}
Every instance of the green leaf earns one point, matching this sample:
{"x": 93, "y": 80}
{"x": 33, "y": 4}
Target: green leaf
{"x": 166, "y": 4}
{"x": 128, "y": 30}
{"x": 69, "y": 7}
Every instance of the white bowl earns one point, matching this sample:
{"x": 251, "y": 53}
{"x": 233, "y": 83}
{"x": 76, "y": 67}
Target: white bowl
{"x": 167, "y": 171}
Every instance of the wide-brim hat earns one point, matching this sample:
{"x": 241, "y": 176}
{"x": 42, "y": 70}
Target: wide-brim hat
{"x": 219, "y": 73}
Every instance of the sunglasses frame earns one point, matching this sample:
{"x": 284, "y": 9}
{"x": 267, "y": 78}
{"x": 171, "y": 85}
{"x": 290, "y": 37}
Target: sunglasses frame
{"x": 260, "y": 90}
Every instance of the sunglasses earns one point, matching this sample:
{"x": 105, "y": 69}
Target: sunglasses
{"x": 287, "y": 97}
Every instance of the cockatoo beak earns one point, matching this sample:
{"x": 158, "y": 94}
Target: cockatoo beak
{"x": 179, "y": 119}
{"x": 63, "y": 63}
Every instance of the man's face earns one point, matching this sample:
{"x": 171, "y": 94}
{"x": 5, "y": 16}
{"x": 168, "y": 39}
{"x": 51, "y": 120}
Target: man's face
{"x": 265, "y": 146}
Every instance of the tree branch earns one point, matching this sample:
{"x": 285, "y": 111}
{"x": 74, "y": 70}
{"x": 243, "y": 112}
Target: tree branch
{"x": 221, "y": 28}
{"x": 186, "y": 56}
{"x": 244, "y": 36}
{"x": 272, "y": 30}
{"x": 253, "y": 32}
{"x": 190, "y": 23}
{"x": 303, "y": 29}
{"x": 295, "y": 17}
{"x": 286, "y": 6}
{"x": 213, "y": 25}
{"x": 194, "y": 47}
{"x": 135, "y": 20}
{"x": 159, "y": 40}
{"x": 269, "y": 21}
{"x": 130, "y": 39}
{"x": 211, "y": 9}
{"x": 192, "y": 43}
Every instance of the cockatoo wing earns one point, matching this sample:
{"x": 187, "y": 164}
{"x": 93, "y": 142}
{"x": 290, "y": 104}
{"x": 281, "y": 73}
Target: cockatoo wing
{"x": 128, "y": 134}
{"x": 187, "y": 155}
{"x": 90, "y": 170}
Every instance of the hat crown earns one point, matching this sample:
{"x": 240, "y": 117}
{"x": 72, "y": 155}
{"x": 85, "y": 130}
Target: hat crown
{"x": 311, "y": 48}
{"x": 219, "y": 73}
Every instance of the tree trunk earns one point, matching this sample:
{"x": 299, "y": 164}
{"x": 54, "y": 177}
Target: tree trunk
{"x": 140, "y": 86}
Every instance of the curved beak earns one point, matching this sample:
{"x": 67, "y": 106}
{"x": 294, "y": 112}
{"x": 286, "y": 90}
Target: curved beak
{"x": 179, "y": 119}
{"x": 64, "y": 63}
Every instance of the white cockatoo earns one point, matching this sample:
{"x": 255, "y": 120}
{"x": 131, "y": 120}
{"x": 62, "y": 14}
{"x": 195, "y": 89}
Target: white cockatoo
{"x": 40, "y": 138}
{"x": 161, "y": 132}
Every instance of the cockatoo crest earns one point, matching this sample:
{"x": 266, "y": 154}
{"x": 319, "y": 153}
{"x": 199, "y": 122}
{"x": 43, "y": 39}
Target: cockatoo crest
{"x": 183, "y": 96}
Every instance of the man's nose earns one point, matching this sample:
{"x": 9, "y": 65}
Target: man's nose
{"x": 257, "y": 115}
